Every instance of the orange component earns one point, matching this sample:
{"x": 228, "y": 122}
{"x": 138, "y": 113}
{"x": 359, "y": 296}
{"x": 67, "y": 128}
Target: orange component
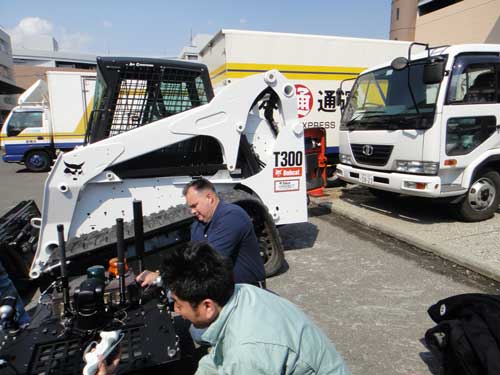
{"x": 113, "y": 267}
{"x": 420, "y": 185}
{"x": 315, "y": 141}
{"x": 450, "y": 162}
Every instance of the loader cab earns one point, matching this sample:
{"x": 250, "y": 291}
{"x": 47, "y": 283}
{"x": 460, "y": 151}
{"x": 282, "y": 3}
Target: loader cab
{"x": 135, "y": 92}
{"x": 132, "y": 92}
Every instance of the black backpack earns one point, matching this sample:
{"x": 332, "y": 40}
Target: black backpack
{"x": 467, "y": 335}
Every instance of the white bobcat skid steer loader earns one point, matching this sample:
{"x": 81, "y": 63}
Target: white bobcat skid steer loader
{"x": 247, "y": 141}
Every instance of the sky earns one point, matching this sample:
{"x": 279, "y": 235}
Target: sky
{"x": 162, "y": 28}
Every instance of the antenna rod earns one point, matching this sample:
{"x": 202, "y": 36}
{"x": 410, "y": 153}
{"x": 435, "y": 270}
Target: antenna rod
{"x": 64, "y": 272}
{"x": 139, "y": 233}
{"x": 120, "y": 247}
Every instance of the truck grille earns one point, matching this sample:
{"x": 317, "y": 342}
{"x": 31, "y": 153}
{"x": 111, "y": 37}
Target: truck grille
{"x": 379, "y": 154}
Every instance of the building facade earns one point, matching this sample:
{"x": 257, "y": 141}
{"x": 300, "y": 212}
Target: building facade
{"x": 192, "y": 52}
{"x": 31, "y": 65}
{"x": 440, "y": 22}
{"x": 8, "y": 88}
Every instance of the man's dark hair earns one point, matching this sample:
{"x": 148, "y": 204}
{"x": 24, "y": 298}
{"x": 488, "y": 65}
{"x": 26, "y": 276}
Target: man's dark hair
{"x": 198, "y": 272}
{"x": 198, "y": 185}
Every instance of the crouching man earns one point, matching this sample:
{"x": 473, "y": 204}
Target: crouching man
{"x": 251, "y": 330}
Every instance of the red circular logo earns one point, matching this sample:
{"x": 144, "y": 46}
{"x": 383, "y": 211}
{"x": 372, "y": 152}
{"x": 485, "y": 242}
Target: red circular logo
{"x": 304, "y": 100}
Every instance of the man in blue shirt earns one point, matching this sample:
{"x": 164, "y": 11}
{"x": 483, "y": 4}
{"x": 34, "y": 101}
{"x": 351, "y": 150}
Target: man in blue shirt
{"x": 227, "y": 228}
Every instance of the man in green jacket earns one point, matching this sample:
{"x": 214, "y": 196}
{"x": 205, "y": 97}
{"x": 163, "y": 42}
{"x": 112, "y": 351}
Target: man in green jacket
{"x": 251, "y": 330}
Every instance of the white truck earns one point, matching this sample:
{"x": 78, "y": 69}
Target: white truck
{"x": 428, "y": 126}
{"x": 315, "y": 64}
{"x": 51, "y": 116}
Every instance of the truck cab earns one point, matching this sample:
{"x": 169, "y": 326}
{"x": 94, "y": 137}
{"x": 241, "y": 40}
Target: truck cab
{"x": 25, "y": 135}
{"x": 27, "y": 128}
{"x": 51, "y": 117}
{"x": 405, "y": 134}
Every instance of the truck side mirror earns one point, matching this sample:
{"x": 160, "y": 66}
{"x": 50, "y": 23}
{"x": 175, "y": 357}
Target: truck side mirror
{"x": 399, "y": 63}
{"x": 433, "y": 72}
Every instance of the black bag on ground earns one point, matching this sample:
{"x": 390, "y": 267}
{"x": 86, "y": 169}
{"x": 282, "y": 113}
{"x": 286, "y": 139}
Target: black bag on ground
{"x": 467, "y": 335}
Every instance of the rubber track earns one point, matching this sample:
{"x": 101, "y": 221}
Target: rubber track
{"x": 160, "y": 222}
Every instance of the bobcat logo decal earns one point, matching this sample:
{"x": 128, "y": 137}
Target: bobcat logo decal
{"x": 74, "y": 169}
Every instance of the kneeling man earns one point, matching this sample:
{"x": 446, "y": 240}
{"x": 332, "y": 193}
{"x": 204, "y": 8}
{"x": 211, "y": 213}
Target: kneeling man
{"x": 251, "y": 330}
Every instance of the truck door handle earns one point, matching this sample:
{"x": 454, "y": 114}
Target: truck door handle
{"x": 39, "y": 137}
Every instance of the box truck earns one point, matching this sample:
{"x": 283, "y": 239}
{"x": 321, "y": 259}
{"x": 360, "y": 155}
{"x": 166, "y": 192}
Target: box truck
{"x": 316, "y": 65}
{"x": 51, "y": 116}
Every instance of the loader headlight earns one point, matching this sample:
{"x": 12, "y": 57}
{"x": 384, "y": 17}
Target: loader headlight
{"x": 415, "y": 166}
{"x": 345, "y": 159}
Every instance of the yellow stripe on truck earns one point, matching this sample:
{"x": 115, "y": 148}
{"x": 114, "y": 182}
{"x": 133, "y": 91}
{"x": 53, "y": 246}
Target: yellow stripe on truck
{"x": 220, "y": 70}
{"x": 297, "y": 72}
{"x": 35, "y": 137}
{"x": 82, "y": 124}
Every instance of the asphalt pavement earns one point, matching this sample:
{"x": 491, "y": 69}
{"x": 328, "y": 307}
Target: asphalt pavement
{"x": 17, "y": 184}
{"x": 369, "y": 292}
{"x": 423, "y": 223}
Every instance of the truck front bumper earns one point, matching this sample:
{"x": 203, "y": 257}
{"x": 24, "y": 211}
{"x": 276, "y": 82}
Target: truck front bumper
{"x": 409, "y": 184}
{"x": 12, "y": 158}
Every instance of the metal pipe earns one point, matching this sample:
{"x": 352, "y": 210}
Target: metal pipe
{"x": 120, "y": 247}
{"x": 139, "y": 233}
{"x": 64, "y": 272}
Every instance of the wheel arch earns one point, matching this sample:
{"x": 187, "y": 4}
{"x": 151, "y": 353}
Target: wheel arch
{"x": 47, "y": 150}
{"x": 473, "y": 170}
{"x": 249, "y": 200}
{"x": 270, "y": 244}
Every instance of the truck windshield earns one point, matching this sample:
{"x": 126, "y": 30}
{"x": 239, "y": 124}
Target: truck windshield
{"x": 382, "y": 100}
{"x": 21, "y": 120}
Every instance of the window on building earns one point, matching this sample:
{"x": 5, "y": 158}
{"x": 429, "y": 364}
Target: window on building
{"x": 429, "y": 6}
{"x": 4, "y": 46}
{"x": 5, "y": 72}
{"x": 397, "y": 14}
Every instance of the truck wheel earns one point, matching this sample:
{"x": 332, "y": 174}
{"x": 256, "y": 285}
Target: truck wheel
{"x": 37, "y": 161}
{"x": 383, "y": 194}
{"x": 482, "y": 199}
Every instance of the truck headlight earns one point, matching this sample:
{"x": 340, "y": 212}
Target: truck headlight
{"x": 345, "y": 159}
{"x": 414, "y": 166}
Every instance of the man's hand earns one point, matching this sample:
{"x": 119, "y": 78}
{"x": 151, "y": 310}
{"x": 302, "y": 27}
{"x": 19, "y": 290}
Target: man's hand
{"x": 110, "y": 369}
{"x": 147, "y": 278}
{"x": 108, "y": 366}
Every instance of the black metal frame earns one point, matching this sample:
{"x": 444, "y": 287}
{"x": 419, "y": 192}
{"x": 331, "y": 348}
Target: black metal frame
{"x": 139, "y": 91}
